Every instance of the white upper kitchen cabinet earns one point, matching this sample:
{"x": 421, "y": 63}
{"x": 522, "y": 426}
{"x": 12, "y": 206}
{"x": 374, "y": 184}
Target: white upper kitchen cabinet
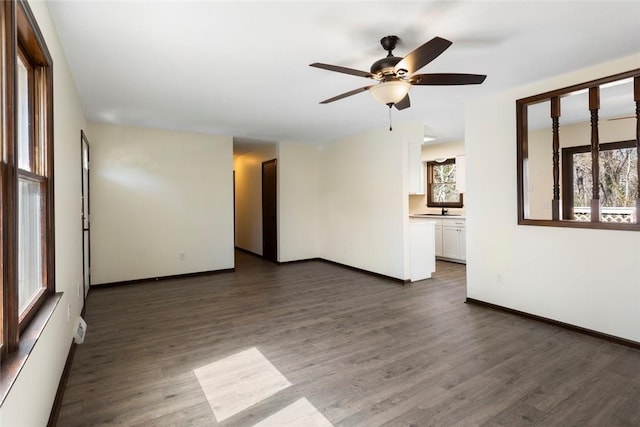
{"x": 416, "y": 169}
{"x": 460, "y": 173}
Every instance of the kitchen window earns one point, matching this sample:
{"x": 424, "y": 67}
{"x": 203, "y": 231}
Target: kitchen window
{"x": 442, "y": 191}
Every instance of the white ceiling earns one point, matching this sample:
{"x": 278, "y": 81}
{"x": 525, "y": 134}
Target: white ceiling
{"x": 240, "y": 68}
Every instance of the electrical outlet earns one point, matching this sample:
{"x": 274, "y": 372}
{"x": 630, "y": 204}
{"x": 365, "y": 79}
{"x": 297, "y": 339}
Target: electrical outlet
{"x": 68, "y": 312}
{"x": 499, "y": 279}
{"x": 181, "y": 255}
{"x": 79, "y": 286}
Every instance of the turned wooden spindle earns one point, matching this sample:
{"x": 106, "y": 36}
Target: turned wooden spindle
{"x": 594, "y": 106}
{"x": 555, "y": 125}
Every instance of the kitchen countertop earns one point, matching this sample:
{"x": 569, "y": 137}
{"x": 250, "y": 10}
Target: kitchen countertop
{"x": 436, "y": 216}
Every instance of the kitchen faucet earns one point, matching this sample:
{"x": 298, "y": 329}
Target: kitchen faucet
{"x": 445, "y": 211}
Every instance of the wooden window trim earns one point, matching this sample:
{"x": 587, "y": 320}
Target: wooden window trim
{"x": 430, "y": 202}
{"x": 32, "y": 47}
{"x": 522, "y": 152}
{"x": 10, "y": 331}
{"x": 21, "y": 36}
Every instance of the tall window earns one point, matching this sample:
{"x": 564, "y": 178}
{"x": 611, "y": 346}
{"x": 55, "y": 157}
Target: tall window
{"x": 618, "y": 182}
{"x": 441, "y": 184}
{"x": 27, "y": 166}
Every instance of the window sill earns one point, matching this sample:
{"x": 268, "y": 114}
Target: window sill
{"x": 580, "y": 224}
{"x": 14, "y": 362}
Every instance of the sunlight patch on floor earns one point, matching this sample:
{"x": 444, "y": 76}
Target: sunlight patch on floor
{"x": 299, "y": 413}
{"x": 238, "y": 382}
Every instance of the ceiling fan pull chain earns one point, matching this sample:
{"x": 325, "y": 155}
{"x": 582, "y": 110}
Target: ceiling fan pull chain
{"x": 390, "y": 127}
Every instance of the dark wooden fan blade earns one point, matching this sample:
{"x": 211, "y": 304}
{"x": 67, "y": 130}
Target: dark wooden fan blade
{"x": 344, "y": 95}
{"x": 422, "y": 55}
{"x": 344, "y": 70}
{"x": 438, "y": 79}
{"x": 404, "y": 103}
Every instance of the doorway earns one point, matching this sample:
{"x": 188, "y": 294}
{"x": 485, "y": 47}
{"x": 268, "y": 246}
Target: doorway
{"x": 86, "y": 219}
{"x": 269, "y": 211}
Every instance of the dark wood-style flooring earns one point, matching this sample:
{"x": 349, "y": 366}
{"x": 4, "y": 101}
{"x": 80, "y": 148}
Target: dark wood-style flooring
{"x": 363, "y": 350}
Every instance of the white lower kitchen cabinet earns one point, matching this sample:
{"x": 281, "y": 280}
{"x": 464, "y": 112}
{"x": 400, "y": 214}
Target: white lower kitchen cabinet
{"x": 422, "y": 250}
{"x": 451, "y": 243}
{"x": 454, "y": 239}
{"x": 438, "y": 239}
{"x": 450, "y": 237}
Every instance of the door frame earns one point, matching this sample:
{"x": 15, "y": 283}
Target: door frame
{"x": 86, "y": 231}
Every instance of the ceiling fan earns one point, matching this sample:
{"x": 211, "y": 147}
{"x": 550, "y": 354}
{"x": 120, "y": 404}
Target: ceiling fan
{"x": 395, "y": 75}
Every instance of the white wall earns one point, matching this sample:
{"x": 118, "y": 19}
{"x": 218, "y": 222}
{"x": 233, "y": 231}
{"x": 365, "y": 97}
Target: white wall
{"x": 587, "y": 278}
{"x": 364, "y": 204}
{"x": 154, "y": 195}
{"x": 298, "y": 204}
{"x": 248, "y": 209}
{"x": 30, "y": 400}
{"x": 444, "y": 150}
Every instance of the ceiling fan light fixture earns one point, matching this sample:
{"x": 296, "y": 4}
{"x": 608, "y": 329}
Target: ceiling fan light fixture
{"x": 390, "y": 92}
